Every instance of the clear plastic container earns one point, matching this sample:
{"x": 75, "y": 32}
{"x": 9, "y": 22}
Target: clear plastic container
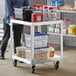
{"x": 65, "y": 26}
{"x": 34, "y": 7}
{"x": 45, "y": 13}
{"x": 52, "y": 13}
{"x": 38, "y": 7}
{"x": 56, "y": 2}
{"x": 51, "y": 28}
{"x": 42, "y": 7}
{"x": 66, "y": 23}
{"x": 40, "y": 40}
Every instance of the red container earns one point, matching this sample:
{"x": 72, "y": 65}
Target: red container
{"x": 37, "y": 17}
{"x": 34, "y": 5}
{"x": 39, "y": 5}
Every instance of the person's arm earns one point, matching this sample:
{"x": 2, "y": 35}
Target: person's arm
{"x": 26, "y": 3}
{"x": 9, "y": 9}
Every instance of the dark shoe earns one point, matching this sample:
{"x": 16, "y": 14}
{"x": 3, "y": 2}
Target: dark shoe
{"x": 1, "y": 55}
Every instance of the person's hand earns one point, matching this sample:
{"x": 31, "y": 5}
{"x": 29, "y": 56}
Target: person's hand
{"x": 30, "y": 7}
{"x": 11, "y": 17}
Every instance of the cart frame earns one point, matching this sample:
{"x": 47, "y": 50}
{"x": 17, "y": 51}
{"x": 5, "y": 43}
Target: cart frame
{"x": 56, "y": 59}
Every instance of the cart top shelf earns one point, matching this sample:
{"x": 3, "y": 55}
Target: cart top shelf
{"x": 35, "y": 23}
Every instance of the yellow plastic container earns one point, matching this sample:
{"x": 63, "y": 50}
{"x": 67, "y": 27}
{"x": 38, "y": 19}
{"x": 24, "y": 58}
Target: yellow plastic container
{"x": 72, "y": 30}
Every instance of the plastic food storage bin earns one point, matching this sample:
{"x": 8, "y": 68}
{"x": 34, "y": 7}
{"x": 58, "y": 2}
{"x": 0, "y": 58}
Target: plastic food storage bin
{"x": 20, "y": 51}
{"x": 40, "y": 40}
{"x": 39, "y": 54}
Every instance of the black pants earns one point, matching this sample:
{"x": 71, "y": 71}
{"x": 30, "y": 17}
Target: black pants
{"x": 17, "y": 31}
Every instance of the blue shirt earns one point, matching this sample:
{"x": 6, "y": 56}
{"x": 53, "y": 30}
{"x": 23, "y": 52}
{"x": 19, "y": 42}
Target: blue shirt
{"x": 10, "y": 5}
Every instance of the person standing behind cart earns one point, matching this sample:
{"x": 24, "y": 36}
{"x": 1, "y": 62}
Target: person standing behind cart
{"x": 10, "y": 14}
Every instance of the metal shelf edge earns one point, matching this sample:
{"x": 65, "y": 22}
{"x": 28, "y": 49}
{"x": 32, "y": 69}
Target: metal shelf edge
{"x": 63, "y": 34}
{"x": 21, "y": 59}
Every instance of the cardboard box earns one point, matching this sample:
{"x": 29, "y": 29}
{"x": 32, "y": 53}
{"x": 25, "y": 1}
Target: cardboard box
{"x": 38, "y": 55}
{"x": 20, "y": 52}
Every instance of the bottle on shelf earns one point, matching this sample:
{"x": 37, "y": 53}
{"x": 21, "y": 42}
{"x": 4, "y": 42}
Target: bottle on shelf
{"x": 34, "y": 7}
{"x": 38, "y": 7}
{"x": 62, "y": 3}
{"x": 51, "y": 28}
{"x": 42, "y": 7}
{"x": 52, "y": 3}
{"x": 51, "y": 51}
{"x": 56, "y": 2}
{"x": 50, "y": 12}
{"x": 72, "y": 30}
{"x": 66, "y": 24}
{"x": 45, "y": 13}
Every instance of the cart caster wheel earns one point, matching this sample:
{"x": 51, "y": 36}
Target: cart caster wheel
{"x": 32, "y": 69}
{"x": 15, "y": 63}
{"x": 56, "y": 65}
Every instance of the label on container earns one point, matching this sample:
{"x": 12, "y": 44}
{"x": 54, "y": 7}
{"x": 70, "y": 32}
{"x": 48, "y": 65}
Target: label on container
{"x": 38, "y": 18}
{"x": 51, "y": 54}
{"x": 70, "y": 31}
{"x": 45, "y": 13}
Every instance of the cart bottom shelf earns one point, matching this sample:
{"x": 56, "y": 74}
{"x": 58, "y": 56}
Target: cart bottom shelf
{"x": 28, "y": 61}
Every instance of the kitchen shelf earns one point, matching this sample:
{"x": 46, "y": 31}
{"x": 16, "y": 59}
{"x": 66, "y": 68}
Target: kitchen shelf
{"x": 66, "y": 11}
{"x": 60, "y": 34}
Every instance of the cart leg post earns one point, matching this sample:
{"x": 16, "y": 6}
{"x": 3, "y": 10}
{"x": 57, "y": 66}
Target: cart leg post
{"x": 14, "y": 62}
{"x": 62, "y": 40}
{"x": 11, "y": 36}
{"x": 32, "y": 68}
